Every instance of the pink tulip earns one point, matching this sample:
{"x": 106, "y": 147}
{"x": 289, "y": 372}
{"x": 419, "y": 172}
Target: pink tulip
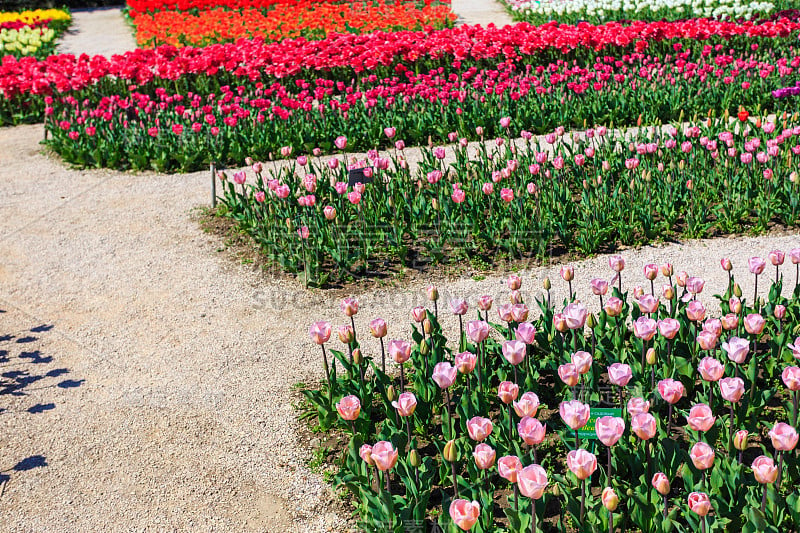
{"x": 377, "y": 328}
{"x": 514, "y": 351}
{"x": 619, "y": 374}
{"x": 610, "y": 499}
{"x": 505, "y": 312}
{"x": 700, "y": 417}
{"x": 776, "y": 257}
{"x": 419, "y": 313}
{"x": 484, "y": 456}
{"x": 756, "y": 265}
{"x": 651, "y": 271}
{"x": 349, "y": 407}
{"x": 617, "y": 263}
{"x": 485, "y": 302}
{"x": 560, "y": 323}
{"x": 515, "y": 297}
{"x": 527, "y": 405}
{"x": 613, "y": 306}
{"x": 519, "y": 312}
{"x": 794, "y": 255}
{"x": 346, "y": 334}
{"x": 609, "y": 429}
{"x": 791, "y": 378}
{"x": 764, "y": 469}
{"x": 784, "y": 437}
{"x": 669, "y": 327}
{"x": 365, "y": 452}
{"x": 637, "y": 405}
{"x": 736, "y": 349}
{"x": 525, "y": 332}
{"x": 644, "y": 328}
{"x": 568, "y": 374}
{"x": 680, "y": 278}
{"x": 465, "y": 362}
{"x": 795, "y": 348}
{"x": 666, "y": 270}
{"x": 508, "y": 467}
{"x": 444, "y": 374}
{"x": 405, "y": 404}
{"x": 531, "y": 431}
{"x": 458, "y": 306}
{"x": 754, "y": 323}
{"x": 340, "y": 142}
{"x": 731, "y": 389}
{"x": 532, "y": 481}
{"x": 648, "y": 304}
{"x": 514, "y": 282}
{"x": 696, "y": 311}
{"x": 399, "y": 351}
{"x": 699, "y": 503}
{"x": 729, "y": 322}
{"x": 582, "y": 361}
{"x": 671, "y": 390}
{"x": 574, "y": 413}
{"x": 726, "y": 264}
{"x": 320, "y": 332}
{"x": 702, "y": 456}
{"x": 575, "y": 315}
{"x": 507, "y": 392}
{"x": 506, "y": 194}
{"x": 567, "y": 272}
{"x": 479, "y": 428}
{"x": 780, "y": 312}
{"x": 644, "y": 426}
{"x": 599, "y": 286}
{"x": 581, "y": 463}
{"x": 477, "y": 330}
{"x": 710, "y": 369}
{"x": 713, "y": 325}
{"x": 668, "y": 292}
{"x": 661, "y": 483}
{"x": 695, "y": 285}
{"x": 465, "y": 513}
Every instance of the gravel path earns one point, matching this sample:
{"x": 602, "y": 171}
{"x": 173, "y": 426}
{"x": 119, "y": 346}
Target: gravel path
{"x": 146, "y": 378}
{"x": 98, "y": 31}
{"x": 483, "y": 12}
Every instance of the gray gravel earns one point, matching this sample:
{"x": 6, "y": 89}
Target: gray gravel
{"x": 101, "y": 31}
{"x": 178, "y": 411}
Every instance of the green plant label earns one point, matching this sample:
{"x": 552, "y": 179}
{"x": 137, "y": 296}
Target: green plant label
{"x": 587, "y": 431}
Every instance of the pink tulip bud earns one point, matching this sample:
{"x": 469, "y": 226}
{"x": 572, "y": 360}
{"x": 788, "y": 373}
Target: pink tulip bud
{"x": 346, "y": 334}
{"x": 389, "y": 132}
{"x": 465, "y": 513}
{"x": 465, "y": 362}
{"x": 349, "y": 306}
{"x": 668, "y": 292}
{"x": 567, "y": 273}
{"x": 613, "y": 307}
{"x": 644, "y": 328}
{"x": 699, "y": 503}
{"x": 581, "y": 463}
{"x": 726, "y": 264}
{"x": 405, "y": 404}
{"x": 644, "y": 426}
{"x": 399, "y": 351}
{"x": 340, "y": 142}
{"x": 696, "y": 311}
{"x": 458, "y": 306}
{"x": 582, "y": 362}
{"x": 575, "y": 315}
{"x": 619, "y": 374}
{"x": 610, "y": 499}
{"x": 695, "y": 285}
{"x": 477, "y": 330}
{"x": 700, "y": 417}
{"x": 648, "y": 304}
{"x": 479, "y": 427}
{"x": 707, "y": 340}
{"x": 740, "y": 440}
{"x": 484, "y": 456}
{"x": 616, "y": 262}
{"x": 729, "y": 322}
{"x": 599, "y": 286}
{"x": 568, "y": 374}
{"x": 791, "y": 378}
{"x": 661, "y": 483}
{"x": 531, "y": 431}
{"x": 365, "y": 452}
{"x": 780, "y": 312}
{"x": 638, "y": 292}
{"x": 669, "y": 327}
{"x": 650, "y": 271}
{"x": 795, "y": 348}
{"x": 756, "y": 265}
{"x": 526, "y": 333}
{"x": 666, "y": 269}
{"x": 702, "y": 456}
{"x": 776, "y": 257}
{"x": 532, "y": 481}
{"x": 754, "y": 323}
{"x": 731, "y": 389}
{"x": 419, "y": 313}
{"x": 737, "y": 349}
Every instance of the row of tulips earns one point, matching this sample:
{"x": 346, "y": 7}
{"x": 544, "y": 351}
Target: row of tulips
{"x": 581, "y": 193}
{"x": 31, "y": 33}
{"x": 312, "y": 19}
{"x": 343, "y": 58}
{"x": 187, "y": 132}
{"x": 704, "y": 438}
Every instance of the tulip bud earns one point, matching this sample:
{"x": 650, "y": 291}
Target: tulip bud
{"x": 450, "y": 453}
{"x": 426, "y": 326}
{"x": 780, "y": 312}
{"x": 651, "y": 356}
{"x": 414, "y": 459}
{"x": 546, "y": 284}
{"x": 669, "y": 292}
{"x": 737, "y": 290}
{"x": 591, "y": 321}
{"x": 433, "y": 293}
{"x": 610, "y": 499}
{"x": 391, "y": 394}
{"x": 357, "y": 357}
{"x": 556, "y": 490}
{"x": 424, "y": 349}
{"x": 726, "y": 264}
{"x": 435, "y": 204}
{"x": 551, "y": 338}
{"x": 661, "y": 483}
{"x": 740, "y": 440}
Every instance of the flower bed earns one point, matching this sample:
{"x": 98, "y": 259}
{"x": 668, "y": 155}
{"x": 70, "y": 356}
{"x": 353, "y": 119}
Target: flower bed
{"x": 24, "y": 83}
{"x": 599, "y": 11}
{"x": 31, "y": 33}
{"x": 696, "y": 432}
{"x": 188, "y": 131}
{"x": 580, "y": 194}
{"x": 312, "y": 19}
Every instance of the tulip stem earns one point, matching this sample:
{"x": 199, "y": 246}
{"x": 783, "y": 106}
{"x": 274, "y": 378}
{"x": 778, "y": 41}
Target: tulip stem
{"x": 577, "y": 440}
{"x": 583, "y": 499}
{"x": 435, "y": 309}
{"x": 764, "y": 499}
{"x": 327, "y": 369}
{"x": 388, "y": 484}
{"x": 353, "y": 427}
{"x": 570, "y": 289}
{"x": 455, "y": 483}
{"x": 353, "y": 324}
{"x": 755, "y": 293}
{"x": 703, "y": 524}
{"x": 402, "y": 379}
{"x": 461, "y": 334}
{"x": 669, "y": 420}
{"x": 730, "y": 433}
{"x": 780, "y": 471}
{"x": 383, "y": 357}
{"x": 533, "y": 516}
{"x": 794, "y": 413}
{"x": 516, "y": 497}
{"x": 449, "y": 418}
{"x": 665, "y": 506}
{"x": 408, "y": 430}
{"x": 510, "y": 427}
{"x": 608, "y": 448}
